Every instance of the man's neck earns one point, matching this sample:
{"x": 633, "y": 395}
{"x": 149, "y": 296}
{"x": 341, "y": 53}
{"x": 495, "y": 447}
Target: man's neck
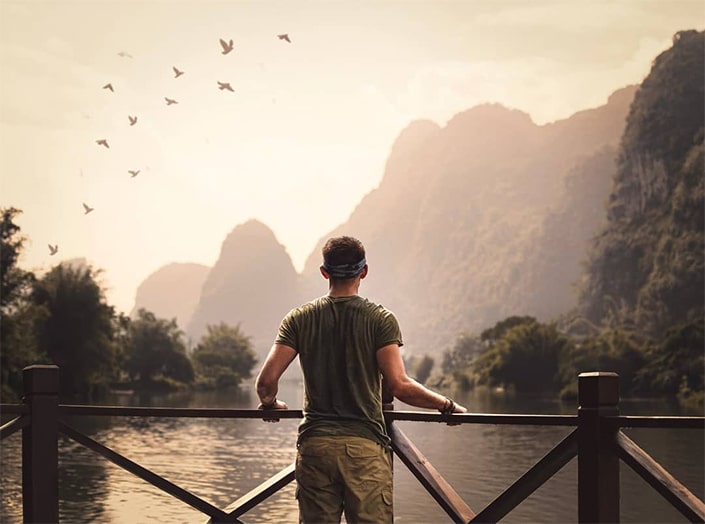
{"x": 344, "y": 290}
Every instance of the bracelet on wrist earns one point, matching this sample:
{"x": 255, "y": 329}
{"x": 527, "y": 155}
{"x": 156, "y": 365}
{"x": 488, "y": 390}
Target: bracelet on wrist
{"x": 448, "y": 407}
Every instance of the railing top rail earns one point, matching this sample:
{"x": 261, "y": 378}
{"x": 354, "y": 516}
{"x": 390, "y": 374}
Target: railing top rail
{"x": 419, "y": 416}
{"x": 660, "y": 422}
{"x": 138, "y": 411}
{"x": 14, "y": 409}
{"x": 485, "y": 418}
{"x": 414, "y": 416}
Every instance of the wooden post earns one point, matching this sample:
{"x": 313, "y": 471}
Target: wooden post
{"x": 598, "y": 463}
{"x": 40, "y": 448}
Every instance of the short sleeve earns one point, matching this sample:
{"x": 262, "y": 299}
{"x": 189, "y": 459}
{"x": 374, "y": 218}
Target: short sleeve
{"x": 388, "y": 331}
{"x": 287, "y": 334}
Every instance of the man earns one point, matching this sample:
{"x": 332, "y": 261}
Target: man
{"x": 345, "y": 345}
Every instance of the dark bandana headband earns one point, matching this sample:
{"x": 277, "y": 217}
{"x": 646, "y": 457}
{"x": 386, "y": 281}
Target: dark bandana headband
{"x": 345, "y": 270}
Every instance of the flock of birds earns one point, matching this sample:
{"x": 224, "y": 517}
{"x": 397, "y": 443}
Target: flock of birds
{"x": 227, "y": 47}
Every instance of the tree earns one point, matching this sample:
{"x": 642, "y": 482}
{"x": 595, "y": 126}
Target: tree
{"x": 526, "y": 357}
{"x": 457, "y": 362}
{"x": 76, "y": 328}
{"x": 615, "y": 350}
{"x": 492, "y": 335}
{"x": 155, "y": 349}
{"x": 17, "y": 316}
{"x": 675, "y": 365}
{"x": 14, "y": 281}
{"x": 224, "y": 356}
{"x": 421, "y": 368}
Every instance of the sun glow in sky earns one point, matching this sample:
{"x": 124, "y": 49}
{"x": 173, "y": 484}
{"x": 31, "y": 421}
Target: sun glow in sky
{"x": 308, "y": 128}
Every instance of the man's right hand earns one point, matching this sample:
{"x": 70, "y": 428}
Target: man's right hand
{"x": 277, "y": 404}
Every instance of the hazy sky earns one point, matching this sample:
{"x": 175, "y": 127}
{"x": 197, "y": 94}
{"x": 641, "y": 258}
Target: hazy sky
{"x": 306, "y": 132}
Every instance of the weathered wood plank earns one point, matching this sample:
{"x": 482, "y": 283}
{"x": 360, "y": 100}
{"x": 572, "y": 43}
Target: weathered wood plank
{"x": 661, "y": 422}
{"x": 484, "y": 418}
{"x": 134, "y": 411}
{"x": 530, "y": 481}
{"x": 661, "y": 480}
{"x": 216, "y": 514}
{"x": 261, "y": 492}
{"x": 435, "y": 484}
{"x": 13, "y": 425}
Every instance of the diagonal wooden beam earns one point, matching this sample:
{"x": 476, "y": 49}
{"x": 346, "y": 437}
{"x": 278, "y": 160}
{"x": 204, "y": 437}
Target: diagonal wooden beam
{"x": 525, "y": 485}
{"x": 435, "y": 484}
{"x": 661, "y": 480}
{"x": 216, "y": 514}
{"x": 261, "y": 492}
{"x": 15, "y": 424}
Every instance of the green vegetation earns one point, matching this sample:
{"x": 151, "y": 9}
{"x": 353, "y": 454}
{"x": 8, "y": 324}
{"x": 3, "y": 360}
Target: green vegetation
{"x": 224, "y": 357}
{"x": 63, "y": 318}
{"x": 155, "y": 352}
{"x": 526, "y": 356}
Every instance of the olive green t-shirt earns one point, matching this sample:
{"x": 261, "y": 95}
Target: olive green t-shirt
{"x": 337, "y": 341}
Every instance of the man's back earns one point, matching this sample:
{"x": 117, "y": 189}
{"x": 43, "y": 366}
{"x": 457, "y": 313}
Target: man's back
{"x": 337, "y": 339}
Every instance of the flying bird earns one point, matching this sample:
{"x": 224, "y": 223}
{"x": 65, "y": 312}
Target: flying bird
{"x": 133, "y": 173}
{"x": 225, "y": 85}
{"x": 132, "y": 119}
{"x": 284, "y": 37}
{"x": 102, "y": 142}
{"x": 177, "y": 73}
{"x": 87, "y": 208}
{"x": 125, "y": 54}
{"x": 170, "y": 101}
{"x": 109, "y": 86}
{"x": 53, "y": 249}
{"x": 227, "y": 46}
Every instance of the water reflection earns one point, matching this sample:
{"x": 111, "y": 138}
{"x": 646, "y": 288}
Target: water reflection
{"x": 220, "y": 460}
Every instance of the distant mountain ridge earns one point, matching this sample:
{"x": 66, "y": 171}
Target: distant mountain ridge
{"x": 173, "y": 291}
{"x": 457, "y": 232}
{"x": 252, "y": 285}
{"x": 453, "y": 228}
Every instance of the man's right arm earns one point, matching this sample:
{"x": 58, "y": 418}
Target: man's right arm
{"x": 405, "y": 388}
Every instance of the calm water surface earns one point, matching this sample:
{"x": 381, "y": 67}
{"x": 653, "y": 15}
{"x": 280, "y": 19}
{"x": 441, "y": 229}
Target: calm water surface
{"x": 221, "y": 460}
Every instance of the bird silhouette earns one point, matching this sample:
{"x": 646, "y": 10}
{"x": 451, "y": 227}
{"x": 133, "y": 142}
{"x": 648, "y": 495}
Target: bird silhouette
{"x": 284, "y": 37}
{"x": 177, "y": 73}
{"x": 227, "y": 46}
{"x": 109, "y": 86}
{"x": 133, "y": 173}
{"x": 225, "y": 85}
{"x": 87, "y": 208}
{"x": 132, "y": 119}
{"x": 53, "y": 249}
{"x": 102, "y": 142}
{"x": 170, "y": 101}
{"x": 125, "y": 54}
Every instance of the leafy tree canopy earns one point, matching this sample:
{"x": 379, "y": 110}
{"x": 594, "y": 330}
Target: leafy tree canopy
{"x": 155, "y": 349}
{"x": 75, "y": 328}
{"x": 224, "y": 356}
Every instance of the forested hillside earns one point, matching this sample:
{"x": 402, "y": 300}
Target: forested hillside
{"x": 646, "y": 265}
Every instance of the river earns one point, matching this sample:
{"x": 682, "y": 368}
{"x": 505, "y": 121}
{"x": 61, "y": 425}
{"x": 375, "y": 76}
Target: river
{"x": 220, "y": 460}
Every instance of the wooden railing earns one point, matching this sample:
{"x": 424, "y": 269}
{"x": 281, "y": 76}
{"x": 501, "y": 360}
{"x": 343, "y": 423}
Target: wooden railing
{"x": 597, "y": 441}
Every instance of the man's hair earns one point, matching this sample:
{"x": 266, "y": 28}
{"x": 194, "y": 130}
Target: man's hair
{"x": 343, "y": 250}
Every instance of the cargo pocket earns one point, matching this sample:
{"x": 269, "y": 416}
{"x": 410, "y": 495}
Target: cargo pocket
{"x": 362, "y": 450}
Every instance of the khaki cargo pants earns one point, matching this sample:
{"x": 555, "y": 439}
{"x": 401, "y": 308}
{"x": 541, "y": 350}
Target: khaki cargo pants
{"x": 343, "y": 474}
